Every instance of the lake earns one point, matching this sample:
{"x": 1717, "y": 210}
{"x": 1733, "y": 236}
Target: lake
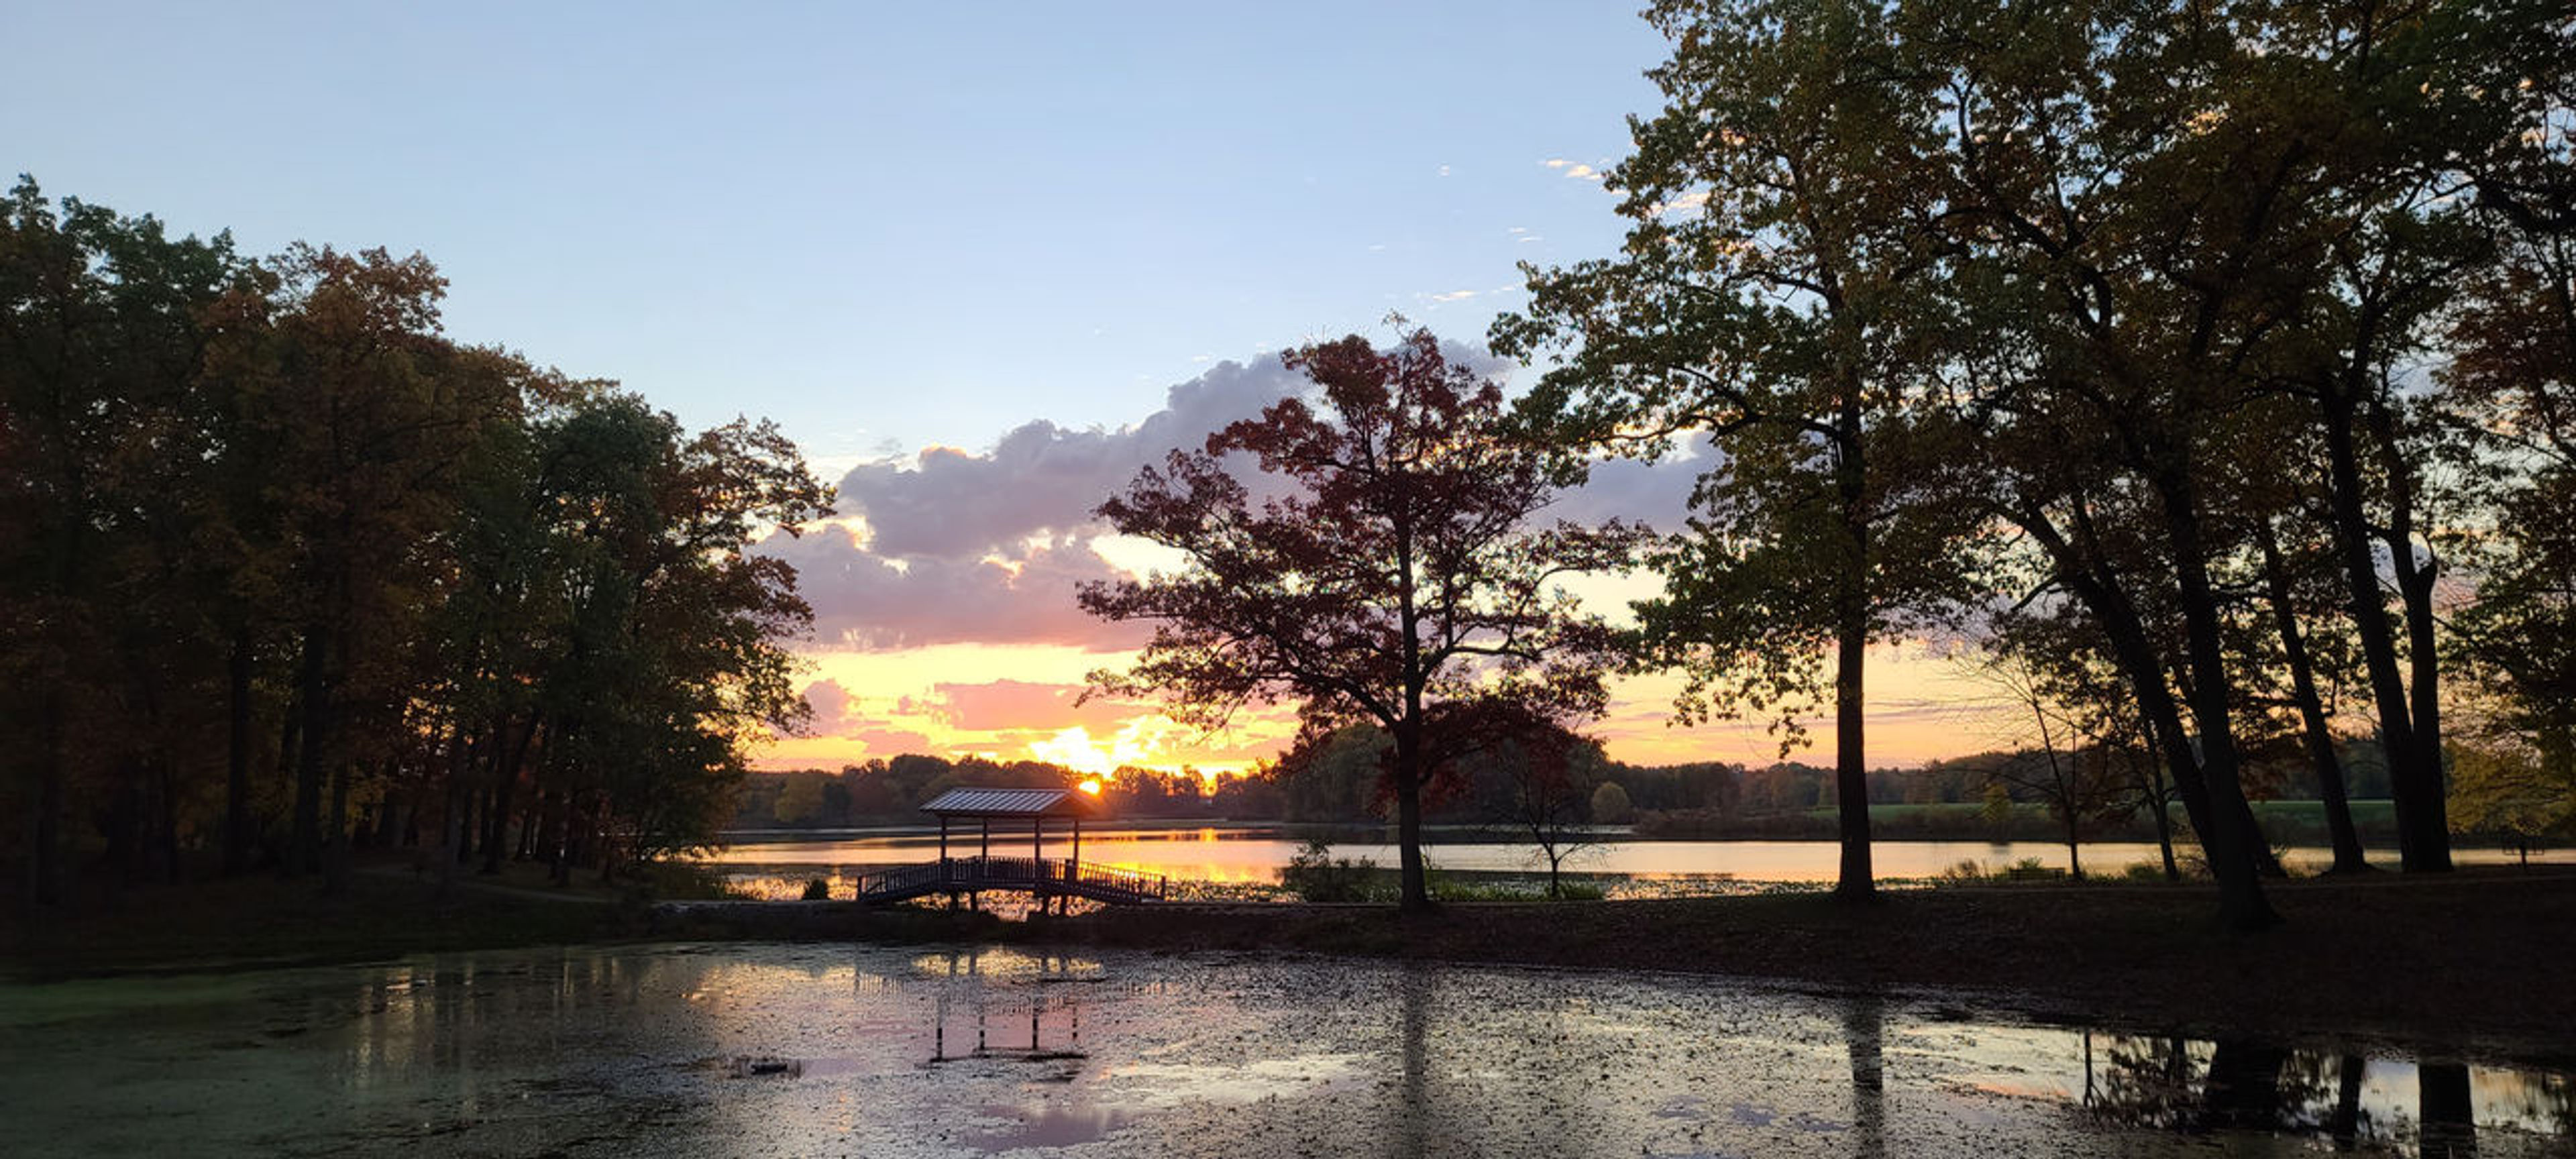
{"x": 741, "y": 1050}
{"x": 1253, "y": 855}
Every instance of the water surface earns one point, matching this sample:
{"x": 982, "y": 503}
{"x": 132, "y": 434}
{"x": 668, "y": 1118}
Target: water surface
{"x": 1253, "y": 855}
{"x": 812, "y": 1050}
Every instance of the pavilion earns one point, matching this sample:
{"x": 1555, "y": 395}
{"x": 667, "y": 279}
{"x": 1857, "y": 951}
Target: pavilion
{"x": 1035, "y": 874}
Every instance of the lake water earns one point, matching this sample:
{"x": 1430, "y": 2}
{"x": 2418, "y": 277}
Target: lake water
{"x": 1253, "y": 855}
{"x": 745, "y": 1050}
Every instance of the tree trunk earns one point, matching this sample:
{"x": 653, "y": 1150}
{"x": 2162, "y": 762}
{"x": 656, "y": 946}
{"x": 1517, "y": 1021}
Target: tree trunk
{"x": 304, "y": 845}
{"x": 1416, "y": 897}
{"x": 2092, "y": 583}
{"x": 337, "y": 859}
{"x": 2424, "y": 686}
{"x": 1857, "y": 881}
{"x": 2421, "y": 846}
{"x": 2234, "y": 862}
{"x": 45, "y": 862}
{"x": 2312, "y": 713}
{"x": 237, "y": 674}
{"x": 505, "y": 778}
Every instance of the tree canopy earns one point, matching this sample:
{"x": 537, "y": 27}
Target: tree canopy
{"x": 1374, "y": 555}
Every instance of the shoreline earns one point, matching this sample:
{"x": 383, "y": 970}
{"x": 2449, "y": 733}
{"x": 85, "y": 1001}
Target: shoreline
{"x": 2477, "y": 964}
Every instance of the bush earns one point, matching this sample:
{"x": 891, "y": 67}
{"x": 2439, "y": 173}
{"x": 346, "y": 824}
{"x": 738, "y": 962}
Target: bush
{"x": 818, "y": 890}
{"x": 1316, "y": 875}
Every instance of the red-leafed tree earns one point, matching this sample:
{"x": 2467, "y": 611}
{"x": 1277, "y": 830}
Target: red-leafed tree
{"x": 1391, "y": 568}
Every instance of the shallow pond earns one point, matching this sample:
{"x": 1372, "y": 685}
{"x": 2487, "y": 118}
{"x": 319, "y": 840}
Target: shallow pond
{"x": 813, "y": 1050}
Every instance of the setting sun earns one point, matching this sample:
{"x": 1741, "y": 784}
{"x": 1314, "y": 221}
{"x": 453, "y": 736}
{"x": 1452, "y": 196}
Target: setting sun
{"x": 1137, "y": 743}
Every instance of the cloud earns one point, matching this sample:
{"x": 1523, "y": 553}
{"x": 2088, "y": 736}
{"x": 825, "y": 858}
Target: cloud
{"x": 832, "y": 705}
{"x": 1453, "y": 296}
{"x": 1657, "y": 494}
{"x": 957, "y": 546}
{"x": 1688, "y": 202}
{"x": 1574, "y": 169}
{"x": 1041, "y": 478}
{"x": 870, "y": 601}
{"x": 988, "y": 547}
{"x": 1026, "y": 705}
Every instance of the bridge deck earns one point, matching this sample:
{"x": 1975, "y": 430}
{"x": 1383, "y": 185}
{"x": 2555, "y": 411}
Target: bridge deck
{"x": 1045, "y": 877}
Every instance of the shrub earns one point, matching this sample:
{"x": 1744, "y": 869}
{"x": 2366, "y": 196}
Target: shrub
{"x": 818, "y": 890}
{"x": 1316, "y": 875}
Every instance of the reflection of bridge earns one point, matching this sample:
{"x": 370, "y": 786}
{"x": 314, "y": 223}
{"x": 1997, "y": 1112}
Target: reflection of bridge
{"x": 1044, "y": 876}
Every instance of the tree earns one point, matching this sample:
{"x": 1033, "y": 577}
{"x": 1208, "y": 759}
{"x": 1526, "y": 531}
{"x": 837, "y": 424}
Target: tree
{"x": 1774, "y": 254}
{"x": 1610, "y": 805}
{"x": 2076, "y": 781}
{"x": 1389, "y": 571}
{"x": 1552, "y": 775}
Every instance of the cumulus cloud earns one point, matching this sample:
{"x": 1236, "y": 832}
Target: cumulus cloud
{"x": 1657, "y": 494}
{"x": 833, "y": 708}
{"x": 867, "y": 600}
{"x": 1573, "y": 169}
{"x": 955, "y": 546}
{"x": 1042, "y": 478}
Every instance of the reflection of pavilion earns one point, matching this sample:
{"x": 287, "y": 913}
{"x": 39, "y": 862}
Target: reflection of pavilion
{"x": 997, "y": 1023}
{"x": 1035, "y": 874}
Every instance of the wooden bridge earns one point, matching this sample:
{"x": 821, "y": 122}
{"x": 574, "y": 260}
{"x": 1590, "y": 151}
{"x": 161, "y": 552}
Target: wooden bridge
{"x": 1044, "y": 876}
{"x": 1050, "y": 879}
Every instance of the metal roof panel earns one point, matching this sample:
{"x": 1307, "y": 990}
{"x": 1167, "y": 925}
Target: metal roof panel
{"x": 978, "y": 802}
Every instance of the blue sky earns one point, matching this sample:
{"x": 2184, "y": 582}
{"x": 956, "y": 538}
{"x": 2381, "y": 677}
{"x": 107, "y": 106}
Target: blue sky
{"x": 982, "y": 262}
{"x": 886, "y": 225}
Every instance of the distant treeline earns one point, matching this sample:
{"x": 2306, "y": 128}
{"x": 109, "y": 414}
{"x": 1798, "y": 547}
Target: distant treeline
{"x": 1973, "y": 797}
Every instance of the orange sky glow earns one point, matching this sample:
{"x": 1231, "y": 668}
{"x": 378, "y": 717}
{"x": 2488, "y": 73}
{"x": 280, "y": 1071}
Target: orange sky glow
{"x": 948, "y": 701}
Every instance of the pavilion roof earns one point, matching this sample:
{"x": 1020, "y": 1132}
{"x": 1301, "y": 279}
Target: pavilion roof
{"x": 1022, "y": 803}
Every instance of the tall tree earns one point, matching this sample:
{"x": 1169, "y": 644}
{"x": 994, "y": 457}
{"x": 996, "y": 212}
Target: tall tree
{"x": 1778, "y": 242}
{"x": 1386, "y": 570}
{"x": 100, "y": 335}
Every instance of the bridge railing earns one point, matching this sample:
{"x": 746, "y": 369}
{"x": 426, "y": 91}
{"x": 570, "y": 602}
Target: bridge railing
{"x": 998, "y": 873}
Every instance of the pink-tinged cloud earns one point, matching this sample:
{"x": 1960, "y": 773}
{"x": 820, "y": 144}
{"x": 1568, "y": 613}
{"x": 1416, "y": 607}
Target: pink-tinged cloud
{"x": 1042, "y": 479}
{"x": 893, "y": 742}
{"x": 832, "y": 708}
{"x": 868, "y": 601}
{"x": 989, "y": 547}
{"x": 1019, "y": 704}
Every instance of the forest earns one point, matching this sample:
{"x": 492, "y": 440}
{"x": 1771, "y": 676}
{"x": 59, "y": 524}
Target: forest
{"x": 284, "y": 572}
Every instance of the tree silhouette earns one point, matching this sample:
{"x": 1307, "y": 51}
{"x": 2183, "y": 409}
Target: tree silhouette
{"x": 1388, "y": 570}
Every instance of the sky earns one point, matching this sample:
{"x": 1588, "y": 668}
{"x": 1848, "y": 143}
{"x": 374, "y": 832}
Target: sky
{"x": 981, "y": 261}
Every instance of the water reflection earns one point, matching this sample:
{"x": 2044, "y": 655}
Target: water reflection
{"x": 993, "y": 1005}
{"x": 972, "y": 1051}
{"x": 2343, "y": 1099}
